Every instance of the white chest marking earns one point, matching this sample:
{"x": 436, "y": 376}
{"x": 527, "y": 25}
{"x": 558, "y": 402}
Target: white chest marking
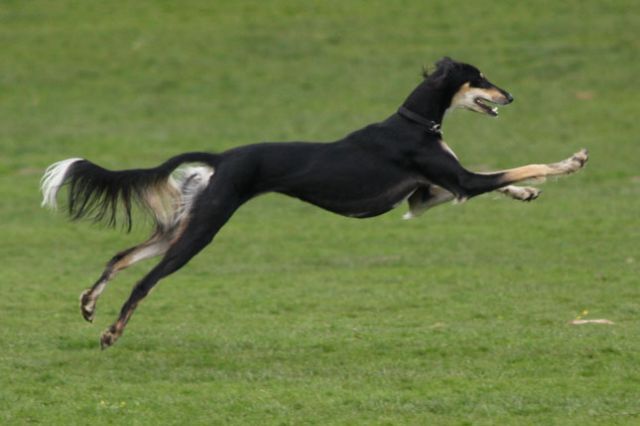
{"x": 449, "y": 150}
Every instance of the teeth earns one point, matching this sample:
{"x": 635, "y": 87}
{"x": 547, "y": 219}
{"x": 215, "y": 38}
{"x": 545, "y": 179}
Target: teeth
{"x": 494, "y": 110}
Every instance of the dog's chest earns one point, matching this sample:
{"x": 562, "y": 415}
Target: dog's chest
{"x": 447, "y": 149}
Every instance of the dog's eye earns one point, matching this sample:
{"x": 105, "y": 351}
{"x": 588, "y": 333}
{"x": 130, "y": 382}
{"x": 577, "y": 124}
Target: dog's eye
{"x": 481, "y": 82}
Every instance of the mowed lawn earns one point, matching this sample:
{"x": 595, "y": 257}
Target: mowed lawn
{"x": 295, "y": 315}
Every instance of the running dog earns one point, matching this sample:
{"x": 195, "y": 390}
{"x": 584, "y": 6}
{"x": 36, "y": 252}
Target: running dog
{"x": 365, "y": 174}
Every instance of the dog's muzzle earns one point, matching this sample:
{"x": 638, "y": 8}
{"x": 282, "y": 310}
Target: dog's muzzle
{"x": 496, "y": 96}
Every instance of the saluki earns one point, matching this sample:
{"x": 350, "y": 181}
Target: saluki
{"x": 365, "y": 174}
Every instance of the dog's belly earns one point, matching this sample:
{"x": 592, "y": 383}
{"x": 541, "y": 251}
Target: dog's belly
{"x": 360, "y": 200}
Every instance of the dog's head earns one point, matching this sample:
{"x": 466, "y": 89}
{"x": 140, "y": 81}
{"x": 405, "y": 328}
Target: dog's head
{"x": 467, "y": 87}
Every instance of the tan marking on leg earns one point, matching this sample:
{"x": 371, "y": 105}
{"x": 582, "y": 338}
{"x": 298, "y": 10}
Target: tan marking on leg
{"x": 540, "y": 171}
{"x": 163, "y": 199}
{"x": 530, "y": 172}
{"x": 111, "y": 334}
{"x": 145, "y": 251}
{"x": 158, "y": 244}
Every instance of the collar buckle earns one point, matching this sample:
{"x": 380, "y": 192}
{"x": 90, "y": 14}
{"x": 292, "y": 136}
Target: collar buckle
{"x": 429, "y": 125}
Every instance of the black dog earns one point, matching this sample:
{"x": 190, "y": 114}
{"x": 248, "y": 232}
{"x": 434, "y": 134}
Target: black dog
{"x": 366, "y": 174}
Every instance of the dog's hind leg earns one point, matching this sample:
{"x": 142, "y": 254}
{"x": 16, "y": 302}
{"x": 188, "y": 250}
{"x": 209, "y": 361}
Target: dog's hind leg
{"x": 154, "y": 246}
{"x": 170, "y": 208}
{"x": 210, "y": 213}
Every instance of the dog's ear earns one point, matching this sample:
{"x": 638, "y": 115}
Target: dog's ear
{"x": 445, "y": 61}
{"x": 443, "y": 67}
{"x": 425, "y": 72}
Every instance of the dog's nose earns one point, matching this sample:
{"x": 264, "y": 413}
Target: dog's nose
{"x": 509, "y": 97}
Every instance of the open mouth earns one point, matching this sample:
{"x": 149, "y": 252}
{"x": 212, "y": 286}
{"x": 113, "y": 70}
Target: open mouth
{"x": 483, "y": 104}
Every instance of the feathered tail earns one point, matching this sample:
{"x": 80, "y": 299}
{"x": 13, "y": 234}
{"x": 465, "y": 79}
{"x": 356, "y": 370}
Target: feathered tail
{"x": 167, "y": 191}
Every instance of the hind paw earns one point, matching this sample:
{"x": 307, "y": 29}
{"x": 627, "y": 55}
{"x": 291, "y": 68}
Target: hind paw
{"x": 109, "y": 337}
{"x": 87, "y": 305}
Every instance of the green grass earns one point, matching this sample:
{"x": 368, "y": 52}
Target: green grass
{"x": 295, "y": 315}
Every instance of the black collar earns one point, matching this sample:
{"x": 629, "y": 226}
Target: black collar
{"x": 429, "y": 125}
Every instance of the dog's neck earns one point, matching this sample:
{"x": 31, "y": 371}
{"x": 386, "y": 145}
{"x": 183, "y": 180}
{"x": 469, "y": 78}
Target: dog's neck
{"x": 429, "y": 125}
{"x": 428, "y": 101}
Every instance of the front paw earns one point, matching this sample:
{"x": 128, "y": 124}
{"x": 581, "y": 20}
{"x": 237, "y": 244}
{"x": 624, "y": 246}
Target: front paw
{"x": 521, "y": 193}
{"x": 529, "y": 193}
{"x": 577, "y": 161}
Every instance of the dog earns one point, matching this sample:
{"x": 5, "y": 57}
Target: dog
{"x": 365, "y": 174}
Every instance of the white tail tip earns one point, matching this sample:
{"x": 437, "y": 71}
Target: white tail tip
{"x": 53, "y": 179}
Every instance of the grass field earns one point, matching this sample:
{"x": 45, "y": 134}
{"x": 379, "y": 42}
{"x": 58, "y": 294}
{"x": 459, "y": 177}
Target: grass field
{"x": 295, "y": 315}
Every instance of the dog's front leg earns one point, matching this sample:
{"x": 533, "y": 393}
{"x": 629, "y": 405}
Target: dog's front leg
{"x": 430, "y": 196}
{"x": 426, "y": 197}
{"x": 446, "y": 172}
{"x": 475, "y": 183}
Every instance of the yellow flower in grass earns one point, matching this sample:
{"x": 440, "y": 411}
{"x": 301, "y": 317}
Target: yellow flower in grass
{"x": 583, "y": 314}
